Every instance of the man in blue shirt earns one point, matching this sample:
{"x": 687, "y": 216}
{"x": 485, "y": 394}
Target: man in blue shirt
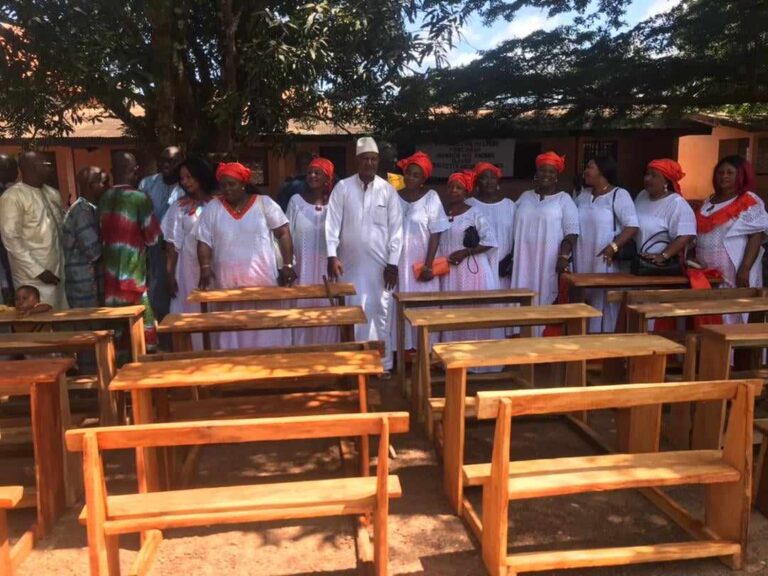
{"x": 163, "y": 189}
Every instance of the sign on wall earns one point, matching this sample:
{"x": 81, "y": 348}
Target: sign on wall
{"x": 450, "y": 158}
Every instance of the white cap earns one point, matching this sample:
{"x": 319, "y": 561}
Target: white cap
{"x": 366, "y": 144}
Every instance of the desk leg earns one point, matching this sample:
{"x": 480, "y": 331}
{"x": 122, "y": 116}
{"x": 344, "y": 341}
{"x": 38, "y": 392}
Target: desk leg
{"x": 527, "y": 370}
{"x": 639, "y": 428}
{"x": 421, "y": 390}
{"x": 181, "y": 342}
{"x": 576, "y": 372}
{"x": 147, "y": 469}
{"x": 105, "y": 365}
{"x": 47, "y": 433}
{"x": 73, "y": 475}
{"x": 709, "y": 417}
{"x": 347, "y": 333}
{"x": 453, "y": 436}
{"x": 206, "y": 335}
{"x": 761, "y": 489}
{"x": 400, "y": 327}
{"x": 138, "y": 343}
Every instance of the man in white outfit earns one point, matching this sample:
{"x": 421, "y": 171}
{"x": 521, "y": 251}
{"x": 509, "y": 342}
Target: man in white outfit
{"x": 364, "y": 234}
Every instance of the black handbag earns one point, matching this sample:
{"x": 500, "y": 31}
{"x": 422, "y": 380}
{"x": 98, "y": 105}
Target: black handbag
{"x": 505, "y": 266}
{"x": 471, "y": 237}
{"x": 628, "y": 252}
{"x": 642, "y": 267}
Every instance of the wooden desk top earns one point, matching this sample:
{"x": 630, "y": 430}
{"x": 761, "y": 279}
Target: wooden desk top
{"x": 621, "y": 280}
{"x": 27, "y": 372}
{"x": 748, "y": 334}
{"x": 238, "y": 369}
{"x": 438, "y": 298}
{"x": 266, "y": 293}
{"x": 484, "y": 317}
{"x": 35, "y": 342}
{"x": 262, "y": 319}
{"x": 555, "y": 349}
{"x": 76, "y": 315}
{"x": 699, "y": 308}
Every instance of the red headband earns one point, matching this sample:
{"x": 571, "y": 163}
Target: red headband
{"x": 670, "y": 169}
{"x": 552, "y": 159}
{"x": 481, "y": 167}
{"x": 465, "y": 178}
{"x": 327, "y": 168}
{"x": 233, "y": 170}
{"x": 421, "y": 160}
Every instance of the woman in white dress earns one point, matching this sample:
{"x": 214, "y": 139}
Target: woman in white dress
{"x": 667, "y": 224}
{"x": 731, "y": 228}
{"x": 546, "y": 230}
{"x": 306, "y": 215}
{"x": 235, "y": 248}
{"x": 607, "y": 221}
{"x": 424, "y": 220}
{"x": 500, "y": 214}
{"x": 470, "y": 268}
{"x": 179, "y": 228}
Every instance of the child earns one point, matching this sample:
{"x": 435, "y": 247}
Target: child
{"x": 28, "y": 303}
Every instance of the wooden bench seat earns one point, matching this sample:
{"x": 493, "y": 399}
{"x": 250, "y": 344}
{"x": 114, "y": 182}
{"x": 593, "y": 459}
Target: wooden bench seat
{"x": 10, "y": 497}
{"x": 249, "y": 503}
{"x": 725, "y": 473}
{"x": 107, "y": 517}
{"x": 561, "y": 476}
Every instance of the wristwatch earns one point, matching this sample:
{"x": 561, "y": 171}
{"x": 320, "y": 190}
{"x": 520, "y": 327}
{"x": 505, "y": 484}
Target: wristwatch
{"x": 288, "y": 266}
{"x": 615, "y": 247}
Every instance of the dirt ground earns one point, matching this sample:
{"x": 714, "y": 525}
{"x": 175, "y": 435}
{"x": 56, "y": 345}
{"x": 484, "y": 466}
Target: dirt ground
{"x": 425, "y": 537}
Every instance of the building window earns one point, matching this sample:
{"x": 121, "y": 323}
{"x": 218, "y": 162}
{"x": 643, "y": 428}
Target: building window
{"x": 337, "y": 155}
{"x": 594, "y": 148}
{"x": 525, "y": 159}
{"x": 761, "y": 156}
{"x": 734, "y": 146}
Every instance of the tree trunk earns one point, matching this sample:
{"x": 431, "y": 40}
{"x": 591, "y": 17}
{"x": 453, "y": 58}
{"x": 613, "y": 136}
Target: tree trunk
{"x": 160, "y": 14}
{"x": 227, "y": 127}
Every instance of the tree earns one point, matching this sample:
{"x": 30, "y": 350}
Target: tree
{"x": 210, "y": 73}
{"x": 703, "y": 53}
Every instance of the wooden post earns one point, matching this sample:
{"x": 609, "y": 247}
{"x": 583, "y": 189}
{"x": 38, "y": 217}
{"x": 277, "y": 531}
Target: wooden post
{"x": 136, "y": 332}
{"x": 365, "y": 443}
{"x": 102, "y": 549}
{"x": 496, "y": 495}
{"x": 106, "y": 366}
{"x": 639, "y": 428}
{"x": 680, "y": 413}
{"x": 709, "y": 417}
{"x": 453, "y": 435}
{"x": 6, "y": 568}
{"x": 400, "y": 333}
{"x": 728, "y": 505}
{"x": 147, "y": 471}
{"x": 422, "y": 368}
{"x": 381, "y": 514}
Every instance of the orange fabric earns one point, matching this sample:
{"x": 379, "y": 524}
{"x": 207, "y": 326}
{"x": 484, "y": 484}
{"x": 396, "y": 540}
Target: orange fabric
{"x": 440, "y": 267}
{"x": 465, "y": 178}
{"x": 233, "y": 170}
{"x": 670, "y": 169}
{"x": 706, "y": 224}
{"x": 481, "y": 167}
{"x": 421, "y": 160}
{"x": 552, "y": 159}
{"x": 327, "y": 168}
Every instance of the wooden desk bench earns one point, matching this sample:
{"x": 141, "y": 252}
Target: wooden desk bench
{"x": 639, "y": 314}
{"x": 573, "y": 316}
{"x": 10, "y": 496}
{"x": 100, "y": 341}
{"x": 637, "y": 429}
{"x": 258, "y": 294}
{"x": 407, "y": 300}
{"x": 578, "y": 283}
{"x": 182, "y": 326}
{"x": 55, "y": 475}
{"x": 107, "y": 517}
{"x": 133, "y": 316}
{"x": 725, "y": 473}
{"x": 262, "y": 372}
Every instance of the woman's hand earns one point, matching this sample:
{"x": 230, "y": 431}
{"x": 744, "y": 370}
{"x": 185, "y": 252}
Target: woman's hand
{"x": 742, "y": 279}
{"x": 657, "y": 259}
{"x": 608, "y": 253}
{"x": 173, "y": 285}
{"x": 206, "y": 278}
{"x": 425, "y": 275}
{"x": 458, "y": 257}
{"x": 563, "y": 265}
{"x": 287, "y": 276}
{"x": 391, "y": 277}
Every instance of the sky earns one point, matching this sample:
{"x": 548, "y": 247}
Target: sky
{"x": 477, "y": 37}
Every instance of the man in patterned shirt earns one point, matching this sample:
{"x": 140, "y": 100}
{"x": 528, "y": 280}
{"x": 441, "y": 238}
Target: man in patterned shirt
{"x": 83, "y": 278}
{"x": 128, "y": 227}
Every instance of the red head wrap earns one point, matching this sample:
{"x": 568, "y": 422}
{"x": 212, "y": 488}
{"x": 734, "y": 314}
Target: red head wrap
{"x": 552, "y": 159}
{"x": 466, "y": 178}
{"x": 481, "y": 167}
{"x": 421, "y": 160}
{"x": 326, "y": 167}
{"x": 745, "y": 176}
{"x": 233, "y": 170}
{"x": 670, "y": 169}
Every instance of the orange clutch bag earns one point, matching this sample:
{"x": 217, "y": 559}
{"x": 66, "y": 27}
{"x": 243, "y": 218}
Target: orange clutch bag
{"x": 440, "y": 267}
